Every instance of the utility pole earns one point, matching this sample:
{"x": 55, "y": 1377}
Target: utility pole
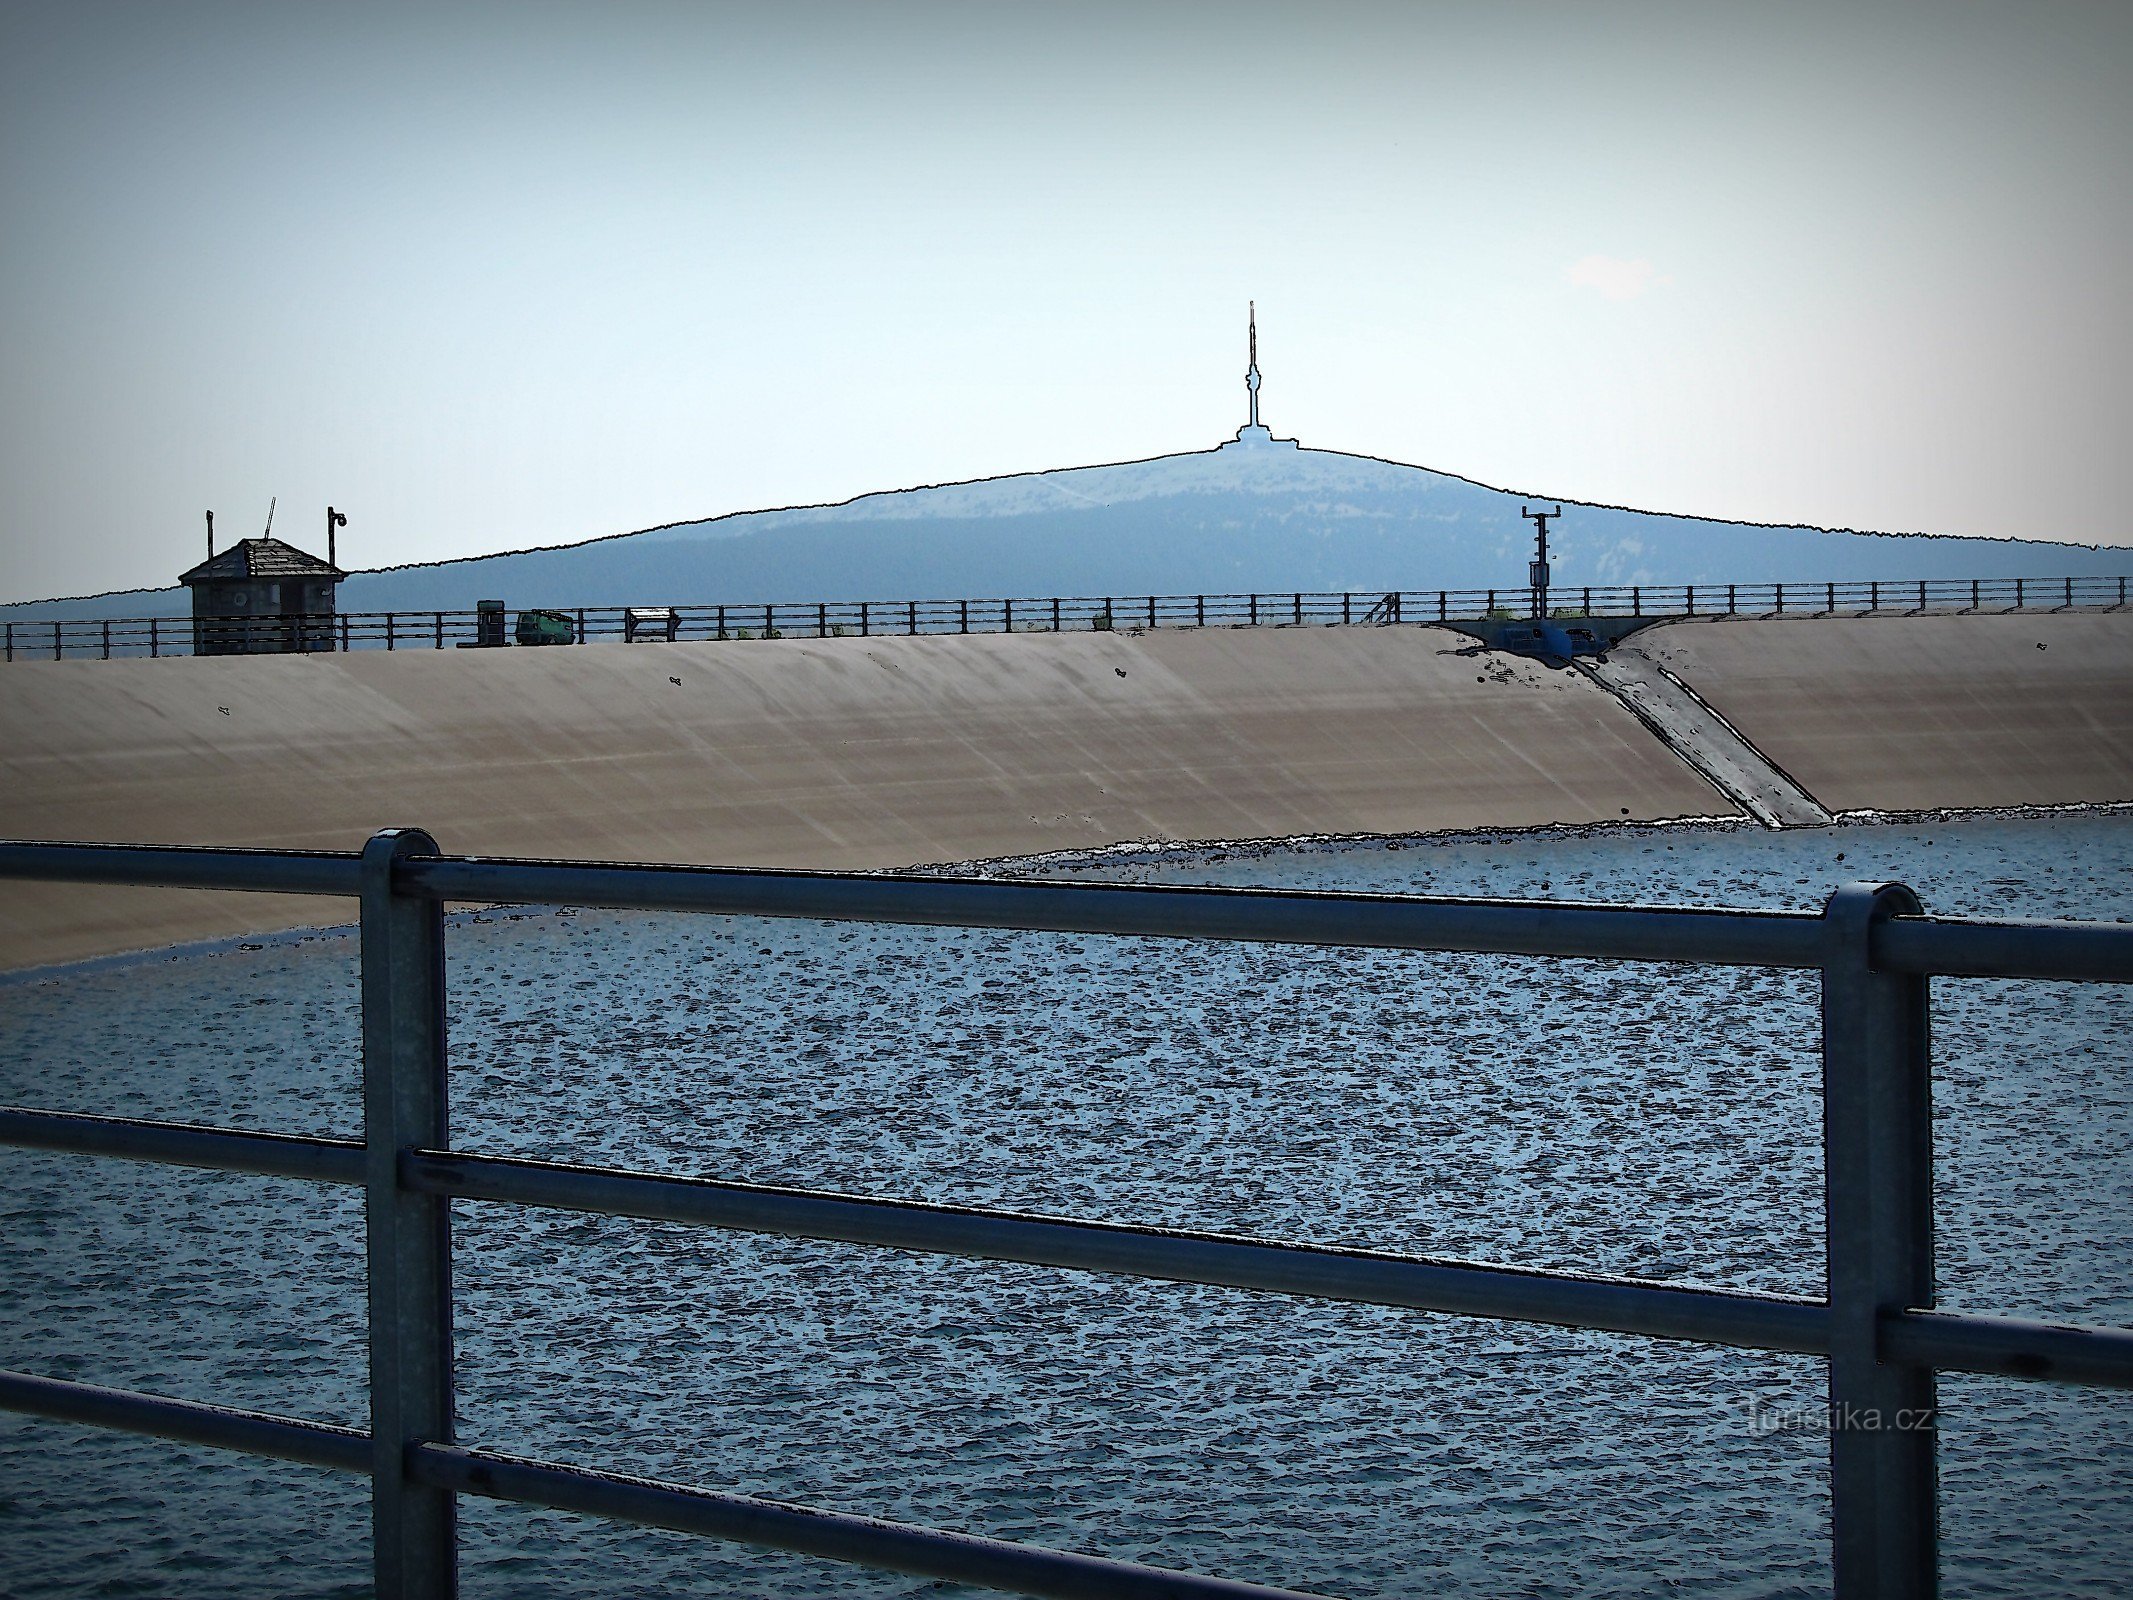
{"x": 1537, "y": 574}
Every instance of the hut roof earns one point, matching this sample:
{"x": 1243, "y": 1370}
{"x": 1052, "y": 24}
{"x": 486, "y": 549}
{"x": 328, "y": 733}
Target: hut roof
{"x": 260, "y": 558}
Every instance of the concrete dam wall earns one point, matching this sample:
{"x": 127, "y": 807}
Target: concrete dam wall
{"x": 1893, "y": 713}
{"x": 873, "y": 753}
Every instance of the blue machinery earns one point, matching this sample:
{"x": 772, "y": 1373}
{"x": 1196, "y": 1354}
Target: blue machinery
{"x": 1884, "y": 1342}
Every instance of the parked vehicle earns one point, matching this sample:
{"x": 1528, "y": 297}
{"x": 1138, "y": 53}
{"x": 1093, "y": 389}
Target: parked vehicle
{"x": 546, "y": 627}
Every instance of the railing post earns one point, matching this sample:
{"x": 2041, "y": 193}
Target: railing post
{"x": 1636, "y": 602}
{"x": 1055, "y": 613}
{"x": 1255, "y": 610}
{"x": 155, "y": 643}
{"x": 911, "y": 618}
{"x": 404, "y": 1107}
{"x": 1440, "y": 605}
{"x": 1877, "y": 1142}
{"x": 1199, "y": 610}
{"x": 58, "y": 648}
{"x": 1688, "y": 607}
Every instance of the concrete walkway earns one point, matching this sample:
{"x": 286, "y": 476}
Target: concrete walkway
{"x": 1705, "y": 740}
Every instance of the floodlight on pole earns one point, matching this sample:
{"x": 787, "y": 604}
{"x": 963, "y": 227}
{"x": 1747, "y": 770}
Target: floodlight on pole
{"x": 1537, "y": 573}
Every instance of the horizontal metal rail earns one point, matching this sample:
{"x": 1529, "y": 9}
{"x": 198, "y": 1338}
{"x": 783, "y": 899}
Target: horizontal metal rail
{"x": 1319, "y": 1272}
{"x": 185, "y": 1144}
{"x": 1944, "y": 946}
{"x": 1276, "y": 916}
{"x": 837, "y": 1536}
{"x": 806, "y": 1530}
{"x": 2009, "y": 1347}
{"x": 1745, "y": 1319}
{"x": 184, "y": 867}
{"x": 255, "y": 1433}
{"x": 1960, "y": 947}
{"x": 2004, "y": 1346}
{"x": 108, "y": 638}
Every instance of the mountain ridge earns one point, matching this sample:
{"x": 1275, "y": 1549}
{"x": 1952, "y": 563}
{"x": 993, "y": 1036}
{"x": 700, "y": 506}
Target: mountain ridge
{"x": 1244, "y": 515}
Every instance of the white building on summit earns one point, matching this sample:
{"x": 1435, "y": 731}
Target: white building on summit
{"x": 1254, "y": 433}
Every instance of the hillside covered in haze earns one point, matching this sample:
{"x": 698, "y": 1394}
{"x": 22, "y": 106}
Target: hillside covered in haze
{"x": 1239, "y": 518}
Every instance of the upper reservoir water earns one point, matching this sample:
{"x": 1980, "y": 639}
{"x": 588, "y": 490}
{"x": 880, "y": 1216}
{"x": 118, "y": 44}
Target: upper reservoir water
{"x": 1659, "y": 1121}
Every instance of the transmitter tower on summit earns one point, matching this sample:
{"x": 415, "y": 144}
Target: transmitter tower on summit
{"x": 1253, "y": 434}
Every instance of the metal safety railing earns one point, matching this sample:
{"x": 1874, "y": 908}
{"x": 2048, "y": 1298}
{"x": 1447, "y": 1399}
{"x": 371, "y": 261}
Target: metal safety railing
{"x": 319, "y": 632}
{"x": 1872, "y": 946}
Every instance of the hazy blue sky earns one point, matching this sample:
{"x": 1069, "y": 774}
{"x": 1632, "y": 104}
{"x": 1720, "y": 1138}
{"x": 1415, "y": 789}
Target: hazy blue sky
{"x": 495, "y": 275}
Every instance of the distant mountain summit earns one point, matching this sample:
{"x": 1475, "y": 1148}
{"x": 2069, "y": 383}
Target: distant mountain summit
{"x": 1247, "y": 516}
{"x": 1253, "y": 514}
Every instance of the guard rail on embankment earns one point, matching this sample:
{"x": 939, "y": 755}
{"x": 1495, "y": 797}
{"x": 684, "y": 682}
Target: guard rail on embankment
{"x": 108, "y": 637}
{"x": 1872, "y": 945}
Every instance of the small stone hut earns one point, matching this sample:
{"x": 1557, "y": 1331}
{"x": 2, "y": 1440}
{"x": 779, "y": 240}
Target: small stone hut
{"x": 262, "y": 597}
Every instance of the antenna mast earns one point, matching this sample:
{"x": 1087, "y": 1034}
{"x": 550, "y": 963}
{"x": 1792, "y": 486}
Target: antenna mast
{"x": 211, "y": 536}
{"x": 270, "y": 518}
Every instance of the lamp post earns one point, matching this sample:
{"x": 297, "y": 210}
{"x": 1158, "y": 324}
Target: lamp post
{"x": 1537, "y": 573}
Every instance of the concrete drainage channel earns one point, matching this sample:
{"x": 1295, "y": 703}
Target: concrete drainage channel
{"x": 1687, "y": 725}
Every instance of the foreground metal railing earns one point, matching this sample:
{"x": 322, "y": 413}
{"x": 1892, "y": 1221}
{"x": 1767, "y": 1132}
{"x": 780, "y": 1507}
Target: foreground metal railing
{"x": 1872, "y": 946}
{"x": 103, "y": 638}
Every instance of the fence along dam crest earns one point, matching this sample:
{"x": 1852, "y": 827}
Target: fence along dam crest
{"x": 489, "y": 625}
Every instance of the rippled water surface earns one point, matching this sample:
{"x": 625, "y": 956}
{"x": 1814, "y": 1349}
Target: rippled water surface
{"x": 1657, "y": 1121}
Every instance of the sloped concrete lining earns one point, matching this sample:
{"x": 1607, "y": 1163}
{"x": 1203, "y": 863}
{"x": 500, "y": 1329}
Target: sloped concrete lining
{"x": 841, "y": 753}
{"x": 1690, "y": 728}
{"x": 1909, "y": 713}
